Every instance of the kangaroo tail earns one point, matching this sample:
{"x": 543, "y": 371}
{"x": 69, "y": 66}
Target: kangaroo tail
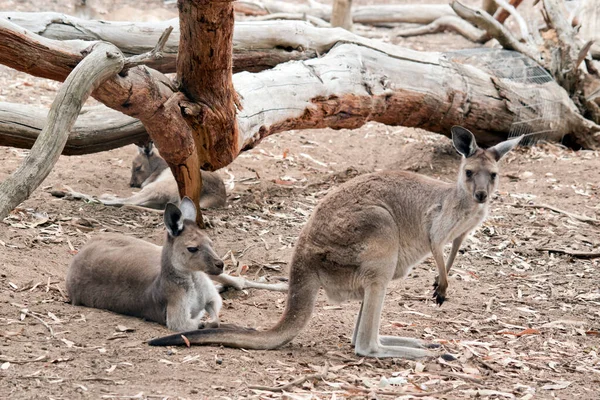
{"x": 302, "y": 295}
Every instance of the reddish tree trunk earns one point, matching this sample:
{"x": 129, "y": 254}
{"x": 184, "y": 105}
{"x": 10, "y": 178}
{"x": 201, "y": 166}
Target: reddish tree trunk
{"x": 207, "y": 99}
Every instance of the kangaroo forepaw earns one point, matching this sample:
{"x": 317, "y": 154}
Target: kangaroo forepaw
{"x": 435, "y": 282}
{"x": 209, "y": 325}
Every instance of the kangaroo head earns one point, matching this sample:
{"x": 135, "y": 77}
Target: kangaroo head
{"x": 145, "y": 163}
{"x": 190, "y": 248}
{"x": 478, "y": 175}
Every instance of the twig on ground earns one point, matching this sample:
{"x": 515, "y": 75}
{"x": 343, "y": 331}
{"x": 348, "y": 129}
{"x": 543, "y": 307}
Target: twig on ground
{"x": 27, "y": 312}
{"x": 140, "y": 208}
{"x": 399, "y": 393}
{"x": 464, "y": 377}
{"x": 15, "y": 361}
{"x": 290, "y": 385}
{"x": 578, "y": 217}
{"x": 572, "y": 253}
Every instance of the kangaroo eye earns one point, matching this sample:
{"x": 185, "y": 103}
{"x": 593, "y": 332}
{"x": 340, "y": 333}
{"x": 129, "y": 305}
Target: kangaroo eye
{"x": 138, "y": 169}
{"x": 493, "y": 175}
{"x": 192, "y": 249}
{"x": 469, "y": 173}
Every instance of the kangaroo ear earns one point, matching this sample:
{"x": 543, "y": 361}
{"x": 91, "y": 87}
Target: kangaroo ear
{"x": 173, "y": 220}
{"x": 464, "y": 141}
{"x": 149, "y": 148}
{"x": 188, "y": 209}
{"x": 502, "y": 148}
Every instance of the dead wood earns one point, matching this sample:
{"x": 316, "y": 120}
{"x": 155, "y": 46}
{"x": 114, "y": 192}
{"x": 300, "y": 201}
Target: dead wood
{"x": 368, "y": 15}
{"x": 577, "y": 217}
{"x": 572, "y": 253}
{"x": 297, "y": 382}
{"x": 97, "y": 129}
{"x": 103, "y": 61}
{"x": 502, "y": 14}
{"x": 207, "y": 99}
{"x": 448, "y": 23}
{"x": 489, "y": 6}
{"x": 558, "y": 50}
{"x": 589, "y": 23}
{"x": 251, "y": 52}
{"x": 390, "y": 88}
{"x": 342, "y": 14}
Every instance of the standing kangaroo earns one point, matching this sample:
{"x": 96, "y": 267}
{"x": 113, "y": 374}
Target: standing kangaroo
{"x": 151, "y": 172}
{"x": 370, "y": 230}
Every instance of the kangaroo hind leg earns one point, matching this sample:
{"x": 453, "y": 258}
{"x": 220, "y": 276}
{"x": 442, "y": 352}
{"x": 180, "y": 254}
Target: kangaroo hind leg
{"x": 367, "y": 338}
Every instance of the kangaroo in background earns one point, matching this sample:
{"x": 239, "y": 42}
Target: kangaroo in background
{"x": 370, "y": 230}
{"x": 151, "y": 172}
{"x": 168, "y": 285}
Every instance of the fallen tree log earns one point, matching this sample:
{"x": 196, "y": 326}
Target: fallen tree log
{"x": 432, "y": 91}
{"x": 101, "y": 63}
{"x": 255, "y": 46}
{"x": 368, "y": 15}
{"x": 97, "y": 129}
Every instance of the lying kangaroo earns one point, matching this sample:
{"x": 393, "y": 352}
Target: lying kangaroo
{"x": 151, "y": 172}
{"x": 372, "y": 229}
{"x": 169, "y": 285}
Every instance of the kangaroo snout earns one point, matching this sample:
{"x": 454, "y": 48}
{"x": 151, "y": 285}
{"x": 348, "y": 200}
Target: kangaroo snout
{"x": 216, "y": 268}
{"x": 481, "y": 196}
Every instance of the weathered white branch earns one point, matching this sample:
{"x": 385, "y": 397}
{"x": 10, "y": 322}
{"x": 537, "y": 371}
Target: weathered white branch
{"x": 250, "y": 52}
{"x": 384, "y": 83}
{"x": 520, "y": 21}
{"x": 368, "y": 15}
{"x": 448, "y": 22}
{"x": 316, "y": 21}
{"x": 104, "y": 61}
{"x": 97, "y": 129}
{"x": 494, "y": 28}
{"x": 155, "y": 54}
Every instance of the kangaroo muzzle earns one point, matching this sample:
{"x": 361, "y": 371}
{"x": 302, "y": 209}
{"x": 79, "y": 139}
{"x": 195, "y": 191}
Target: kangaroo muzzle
{"x": 481, "y": 196}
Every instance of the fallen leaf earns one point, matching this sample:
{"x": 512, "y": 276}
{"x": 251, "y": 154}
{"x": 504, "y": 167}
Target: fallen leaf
{"x": 186, "y": 340}
{"x": 528, "y": 331}
{"x": 122, "y": 328}
{"x": 557, "y": 385}
{"x": 5, "y": 366}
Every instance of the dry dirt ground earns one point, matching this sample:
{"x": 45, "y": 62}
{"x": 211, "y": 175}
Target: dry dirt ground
{"x": 522, "y": 322}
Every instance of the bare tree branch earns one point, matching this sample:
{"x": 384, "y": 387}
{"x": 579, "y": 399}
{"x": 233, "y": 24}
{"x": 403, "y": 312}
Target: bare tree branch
{"x": 495, "y": 29}
{"x": 104, "y": 61}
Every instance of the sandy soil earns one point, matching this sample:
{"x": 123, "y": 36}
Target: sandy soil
{"x": 523, "y": 323}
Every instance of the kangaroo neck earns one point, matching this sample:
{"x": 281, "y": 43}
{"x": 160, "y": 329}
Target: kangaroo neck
{"x": 168, "y": 272}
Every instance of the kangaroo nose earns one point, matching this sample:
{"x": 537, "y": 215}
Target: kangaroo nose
{"x": 219, "y": 264}
{"x": 481, "y": 197}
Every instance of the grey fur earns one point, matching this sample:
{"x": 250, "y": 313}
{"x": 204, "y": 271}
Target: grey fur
{"x": 168, "y": 285}
{"x": 369, "y": 231}
{"x": 151, "y": 172}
